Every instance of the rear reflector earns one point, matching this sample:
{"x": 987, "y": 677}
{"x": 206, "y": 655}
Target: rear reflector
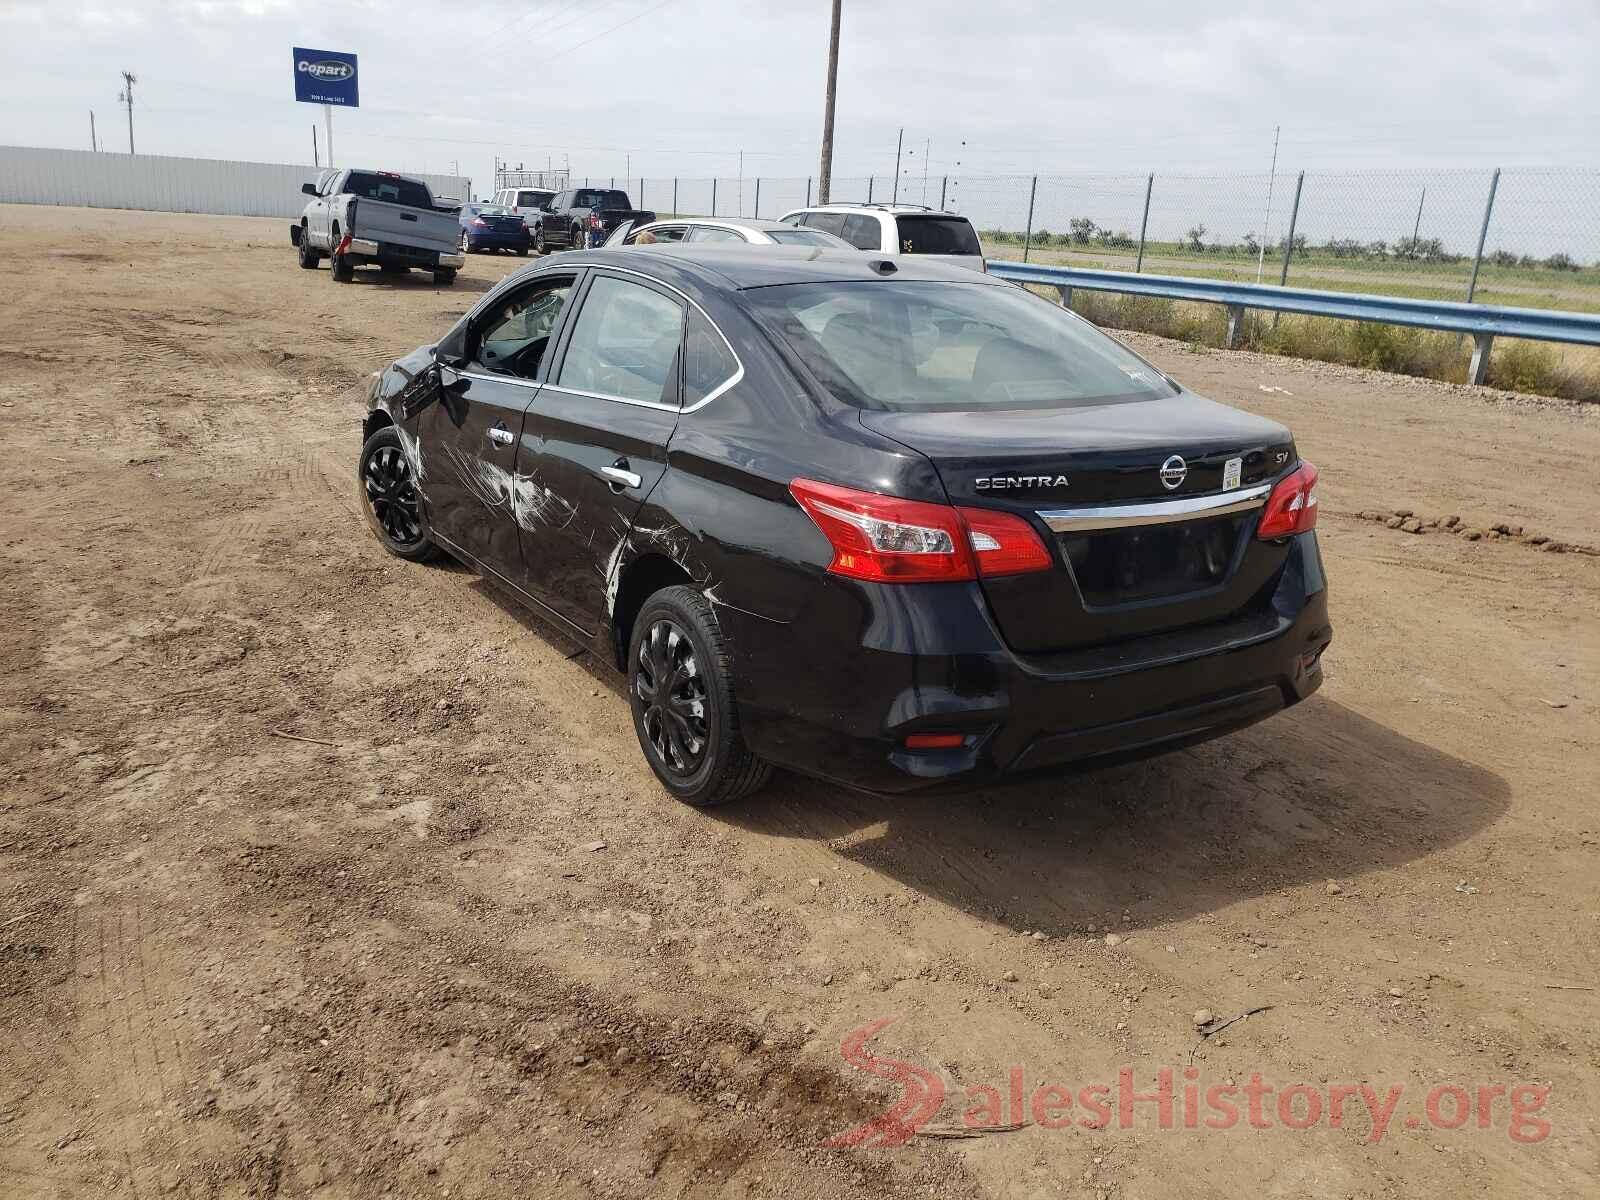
{"x": 935, "y": 741}
{"x": 1292, "y": 506}
{"x": 889, "y": 540}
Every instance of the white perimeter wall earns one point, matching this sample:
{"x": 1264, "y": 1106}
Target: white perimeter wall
{"x": 202, "y": 185}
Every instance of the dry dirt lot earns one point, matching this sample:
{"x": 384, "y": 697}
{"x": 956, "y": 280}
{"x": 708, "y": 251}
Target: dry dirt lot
{"x": 391, "y": 961}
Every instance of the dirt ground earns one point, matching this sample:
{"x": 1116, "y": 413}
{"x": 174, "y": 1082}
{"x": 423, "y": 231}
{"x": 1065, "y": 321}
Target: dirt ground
{"x": 299, "y": 886}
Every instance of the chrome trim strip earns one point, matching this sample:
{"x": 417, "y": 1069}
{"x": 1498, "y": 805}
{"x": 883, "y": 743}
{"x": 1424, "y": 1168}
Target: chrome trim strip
{"x": 1155, "y": 512}
{"x": 363, "y": 246}
{"x": 527, "y": 383}
{"x": 614, "y": 399}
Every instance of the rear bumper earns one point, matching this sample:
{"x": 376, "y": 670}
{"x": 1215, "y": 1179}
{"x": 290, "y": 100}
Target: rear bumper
{"x": 518, "y": 240}
{"x": 930, "y": 659}
{"x": 366, "y": 250}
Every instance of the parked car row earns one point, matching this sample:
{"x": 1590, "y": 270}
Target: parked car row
{"x": 359, "y": 216}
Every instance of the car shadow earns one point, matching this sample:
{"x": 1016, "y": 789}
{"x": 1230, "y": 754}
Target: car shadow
{"x": 1316, "y": 793}
{"x": 417, "y": 280}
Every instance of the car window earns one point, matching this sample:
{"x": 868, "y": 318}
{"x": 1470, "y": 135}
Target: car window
{"x": 708, "y": 363}
{"x": 828, "y": 222}
{"x": 807, "y": 237}
{"x": 513, "y": 339}
{"x": 531, "y": 199}
{"x": 798, "y": 218}
{"x": 862, "y": 232}
{"x": 937, "y": 235}
{"x": 625, "y": 343}
{"x": 656, "y": 233}
{"x": 910, "y": 345}
{"x": 370, "y": 185}
{"x": 710, "y": 233}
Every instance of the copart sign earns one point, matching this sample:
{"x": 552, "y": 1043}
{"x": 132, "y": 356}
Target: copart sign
{"x": 326, "y": 77}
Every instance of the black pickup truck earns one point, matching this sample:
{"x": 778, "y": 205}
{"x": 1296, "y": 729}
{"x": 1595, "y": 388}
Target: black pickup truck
{"x": 584, "y": 217}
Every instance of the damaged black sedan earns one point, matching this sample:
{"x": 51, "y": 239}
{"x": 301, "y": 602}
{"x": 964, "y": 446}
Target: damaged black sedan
{"x": 890, "y": 523}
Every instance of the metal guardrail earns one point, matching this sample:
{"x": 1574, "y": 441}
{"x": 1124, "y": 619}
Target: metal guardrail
{"x": 1482, "y": 322}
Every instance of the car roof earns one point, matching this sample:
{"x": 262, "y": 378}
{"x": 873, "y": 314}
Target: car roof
{"x": 718, "y": 265}
{"x": 901, "y": 210}
{"x": 760, "y": 225}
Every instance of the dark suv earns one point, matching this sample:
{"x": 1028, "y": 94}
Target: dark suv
{"x": 891, "y": 523}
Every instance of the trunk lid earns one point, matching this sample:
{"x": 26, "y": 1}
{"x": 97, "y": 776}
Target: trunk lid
{"x": 1135, "y": 554}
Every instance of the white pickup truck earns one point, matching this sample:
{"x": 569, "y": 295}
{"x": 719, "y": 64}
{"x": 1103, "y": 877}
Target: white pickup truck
{"x": 357, "y": 217}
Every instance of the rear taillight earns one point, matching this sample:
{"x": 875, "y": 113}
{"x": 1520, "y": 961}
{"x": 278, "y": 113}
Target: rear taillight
{"x": 889, "y": 540}
{"x": 1003, "y": 543}
{"x": 1292, "y": 506}
{"x": 480, "y": 222}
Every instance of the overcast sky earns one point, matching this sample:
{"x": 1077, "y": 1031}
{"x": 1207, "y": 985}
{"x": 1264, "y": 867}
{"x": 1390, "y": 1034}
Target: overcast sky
{"x": 679, "y": 87}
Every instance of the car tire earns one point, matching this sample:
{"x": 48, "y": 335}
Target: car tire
{"x": 522, "y": 252}
{"x": 444, "y": 276}
{"x": 343, "y": 269}
{"x": 466, "y": 243}
{"x": 575, "y": 239}
{"x": 679, "y": 662}
{"x": 309, "y": 258}
{"x": 538, "y": 241}
{"x": 390, "y": 498}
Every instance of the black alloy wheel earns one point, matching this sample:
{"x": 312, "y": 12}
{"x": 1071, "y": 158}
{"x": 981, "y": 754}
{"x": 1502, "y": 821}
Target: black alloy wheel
{"x": 681, "y": 693}
{"x": 670, "y": 687}
{"x": 392, "y": 499}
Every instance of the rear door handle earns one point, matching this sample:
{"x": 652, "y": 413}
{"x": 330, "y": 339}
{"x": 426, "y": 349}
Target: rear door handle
{"x": 620, "y": 476}
{"x": 501, "y": 436}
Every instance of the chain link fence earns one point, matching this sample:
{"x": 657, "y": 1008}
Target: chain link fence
{"x": 1395, "y": 232}
{"x": 1527, "y": 237}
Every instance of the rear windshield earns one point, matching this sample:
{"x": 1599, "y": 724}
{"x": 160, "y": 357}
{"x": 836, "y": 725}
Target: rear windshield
{"x": 937, "y": 235}
{"x": 806, "y": 237}
{"x": 492, "y": 210}
{"x": 602, "y": 199}
{"x": 532, "y": 199}
{"x": 392, "y": 188}
{"x": 951, "y": 347}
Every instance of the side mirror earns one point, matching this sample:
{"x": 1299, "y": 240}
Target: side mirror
{"x": 309, "y": 189}
{"x": 452, "y": 349}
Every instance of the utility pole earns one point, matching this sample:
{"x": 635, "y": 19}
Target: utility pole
{"x": 126, "y": 97}
{"x": 825, "y": 174}
{"x": 741, "y": 183}
{"x": 899, "y": 142}
{"x": 1272, "y": 178}
{"x": 927, "y": 146}
{"x": 93, "y": 144}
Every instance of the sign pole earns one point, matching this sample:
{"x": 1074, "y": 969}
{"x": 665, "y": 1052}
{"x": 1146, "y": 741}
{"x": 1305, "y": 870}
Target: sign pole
{"x": 327, "y": 116}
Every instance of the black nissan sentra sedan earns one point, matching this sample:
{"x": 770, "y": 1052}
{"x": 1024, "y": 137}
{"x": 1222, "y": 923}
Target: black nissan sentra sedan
{"x": 894, "y": 524}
